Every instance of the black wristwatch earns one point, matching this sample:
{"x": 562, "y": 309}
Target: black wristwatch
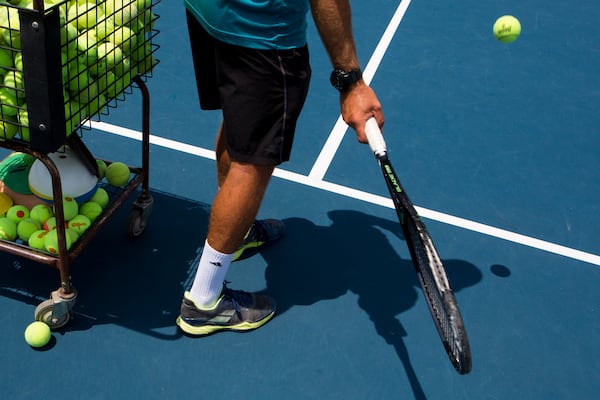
{"x": 342, "y": 80}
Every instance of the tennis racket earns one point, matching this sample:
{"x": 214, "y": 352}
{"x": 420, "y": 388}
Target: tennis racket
{"x": 427, "y": 263}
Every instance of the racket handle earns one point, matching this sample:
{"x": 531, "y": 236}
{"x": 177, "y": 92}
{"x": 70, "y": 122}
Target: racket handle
{"x": 375, "y": 138}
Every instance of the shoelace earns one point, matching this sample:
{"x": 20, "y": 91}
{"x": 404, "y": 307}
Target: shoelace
{"x": 237, "y": 297}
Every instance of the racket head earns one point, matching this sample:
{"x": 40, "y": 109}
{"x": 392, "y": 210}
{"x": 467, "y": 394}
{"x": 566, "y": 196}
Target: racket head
{"x": 431, "y": 273}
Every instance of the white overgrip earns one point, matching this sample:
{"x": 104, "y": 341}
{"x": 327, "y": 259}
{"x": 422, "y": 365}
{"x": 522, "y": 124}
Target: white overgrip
{"x": 375, "y": 137}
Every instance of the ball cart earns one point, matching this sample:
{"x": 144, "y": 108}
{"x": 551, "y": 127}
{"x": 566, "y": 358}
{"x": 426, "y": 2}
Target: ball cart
{"x": 63, "y": 64}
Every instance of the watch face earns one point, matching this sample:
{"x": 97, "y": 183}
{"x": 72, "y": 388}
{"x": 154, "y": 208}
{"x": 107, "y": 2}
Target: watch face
{"x": 338, "y": 79}
{"x": 341, "y": 80}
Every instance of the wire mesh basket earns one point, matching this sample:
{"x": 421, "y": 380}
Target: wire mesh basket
{"x": 63, "y": 62}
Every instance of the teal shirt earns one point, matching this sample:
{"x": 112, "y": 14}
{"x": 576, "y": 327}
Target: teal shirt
{"x": 259, "y": 24}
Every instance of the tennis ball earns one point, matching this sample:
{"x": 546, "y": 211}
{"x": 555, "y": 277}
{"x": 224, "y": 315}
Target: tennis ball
{"x": 123, "y": 37}
{"x": 6, "y": 202}
{"x": 78, "y": 77}
{"x": 23, "y": 119}
{"x": 101, "y": 168}
{"x": 6, "y": 60}
{"x": 100, "y": 197}
{"x": 74, "y": 235}
{"x": 109, "y": 56}
{"x": 36, "y": 240}
{"x": 8, "y": 229}
{"x": 41, "y": 213}
{"x": 8, "y": 128}
{"x": 85, "y": 14}
{"x": 14, "y": 80}
{"x": 37, "y": 334}
{"x": 122, "y": 11}
{"x": 26, "y": 227}
{"x": 70, "y": 207}
{"x": 50, "y": 224}
{"x": 117, "y": 173}
{"x": 17, "y": 213}
{"x": 507, "y": 29}
{"x": 51, "y": 241}
{"x": 8, "y": 102}
{"x": 91, "y": 210}
{"x": 80, "y": 223}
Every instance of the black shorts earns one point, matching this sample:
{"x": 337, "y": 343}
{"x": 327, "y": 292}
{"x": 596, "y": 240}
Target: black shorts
{"x": 260, "y": 92}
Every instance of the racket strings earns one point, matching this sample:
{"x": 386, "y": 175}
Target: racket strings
{"x": 437, "y": 289}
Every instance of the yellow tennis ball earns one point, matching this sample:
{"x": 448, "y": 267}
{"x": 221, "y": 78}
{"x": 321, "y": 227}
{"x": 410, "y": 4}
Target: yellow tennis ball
{"x": 41, "y": 213}
{"x": 8, "y": 229}
{"x": 70, "y": 208}
{"x": 26, "y": 227}
{"x": 100, "y": 197}
{"x": 37, "y": 334}
{"x": 117, "y": 173}
{"x": 17, "y": 213}
{"x": 50, "y": 224}
{"x": 51, "y": 241}
{"x": 507, "y": 29}
{"x": 5, "y": 203}
{"x": 36, "y": 240}
{"x": 91, "y": 210}
{"x": 101, "y": 168}
{"x": 80, "y": 223}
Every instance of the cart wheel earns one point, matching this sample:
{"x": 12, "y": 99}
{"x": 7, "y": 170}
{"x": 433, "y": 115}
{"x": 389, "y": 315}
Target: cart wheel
{"x": 137, "y": 222}
{"x": 44, "y": 312}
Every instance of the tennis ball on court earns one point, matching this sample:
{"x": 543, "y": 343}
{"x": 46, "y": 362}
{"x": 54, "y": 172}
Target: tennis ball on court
{"x": 51, "y": 241}
{"x": 17, "y": 213}
{"x": 41, "y": 213}
{"x": 91, "y": 210}
{"x": 37, "y": 334}
{"x": 507, "y": 29}
{"x": 8, "y": 229}
{"x": 100, "y": 197}
{"x": 36, "y": 240}
{"x": 70, "y": 207}
{"x": 79, "y": 224}
{"x": 101, "y": 168}
{"x": 26, "y": 227}
{"x": 117, "y": 173}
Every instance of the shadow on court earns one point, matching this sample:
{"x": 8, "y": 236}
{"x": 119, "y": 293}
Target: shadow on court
{"x": 314, "y": 263}
{"x": 136, "y": 283}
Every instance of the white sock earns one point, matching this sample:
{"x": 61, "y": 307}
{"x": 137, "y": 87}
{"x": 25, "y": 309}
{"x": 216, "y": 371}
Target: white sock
{"x": 210, "y": 276}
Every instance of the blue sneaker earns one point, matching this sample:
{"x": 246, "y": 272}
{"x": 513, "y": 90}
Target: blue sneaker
{"x": 235, "y": 310}
{"x": 261, "y": 233}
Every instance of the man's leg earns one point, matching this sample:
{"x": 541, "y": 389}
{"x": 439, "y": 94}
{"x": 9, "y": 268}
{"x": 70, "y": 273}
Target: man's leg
{"x": 209, "y": 306}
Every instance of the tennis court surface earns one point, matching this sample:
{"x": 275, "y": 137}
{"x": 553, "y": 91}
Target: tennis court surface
{"x": 497, "y": 144}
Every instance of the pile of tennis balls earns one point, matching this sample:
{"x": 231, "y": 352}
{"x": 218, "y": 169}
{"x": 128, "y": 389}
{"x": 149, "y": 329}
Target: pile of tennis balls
{"x": 36, "y": 227}
{"x": 104, "y": 45}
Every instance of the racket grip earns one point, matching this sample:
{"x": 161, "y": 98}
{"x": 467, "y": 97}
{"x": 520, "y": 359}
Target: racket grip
{"x": 375, "y": 137}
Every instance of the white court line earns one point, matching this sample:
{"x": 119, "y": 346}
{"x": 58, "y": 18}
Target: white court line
{"x": 368, "y": 197}
{"x": 339, "y": 130}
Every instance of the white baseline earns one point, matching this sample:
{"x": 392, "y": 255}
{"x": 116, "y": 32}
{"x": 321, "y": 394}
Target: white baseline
{"x": 367, "y": 197}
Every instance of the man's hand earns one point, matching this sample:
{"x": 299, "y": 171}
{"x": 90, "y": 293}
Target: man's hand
{"x": 358, "y": 104}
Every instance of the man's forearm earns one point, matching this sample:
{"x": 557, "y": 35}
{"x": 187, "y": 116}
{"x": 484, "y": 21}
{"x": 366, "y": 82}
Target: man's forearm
{"x": 333, "y": 19}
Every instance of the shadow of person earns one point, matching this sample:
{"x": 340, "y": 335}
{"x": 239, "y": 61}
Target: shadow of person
{"x": 354, "y": 254}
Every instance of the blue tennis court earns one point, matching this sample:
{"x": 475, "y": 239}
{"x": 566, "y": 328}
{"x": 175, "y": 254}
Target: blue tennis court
{"x": 497, "y": 144}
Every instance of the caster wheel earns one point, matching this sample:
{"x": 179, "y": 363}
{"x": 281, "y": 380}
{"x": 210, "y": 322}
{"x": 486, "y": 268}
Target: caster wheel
{"x": 137, "y": 222}
{"x": 44, "y": 312}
